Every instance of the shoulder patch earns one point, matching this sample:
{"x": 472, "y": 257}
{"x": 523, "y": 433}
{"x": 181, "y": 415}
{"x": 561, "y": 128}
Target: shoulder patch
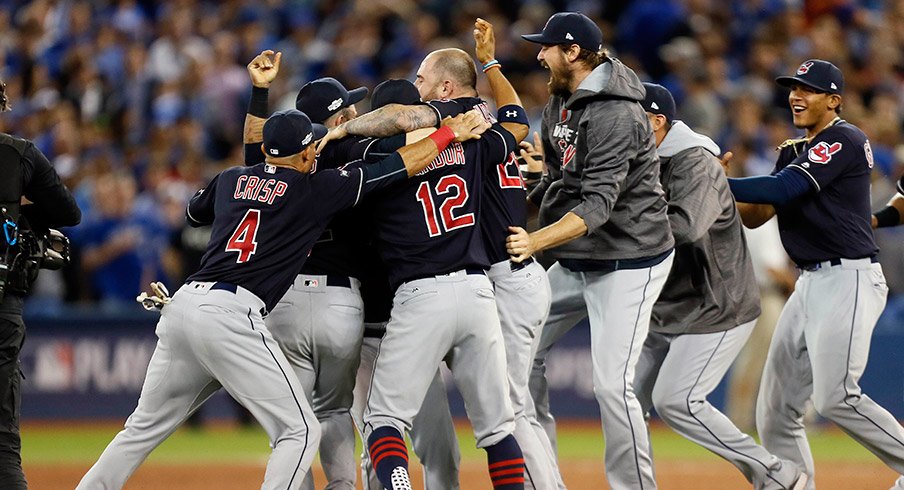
{"x": 822, "y": 152}
{"x": 868, "y": 150}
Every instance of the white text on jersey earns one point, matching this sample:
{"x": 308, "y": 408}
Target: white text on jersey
{"x": 254, "y": 188}
{"x": 454, "y": 154}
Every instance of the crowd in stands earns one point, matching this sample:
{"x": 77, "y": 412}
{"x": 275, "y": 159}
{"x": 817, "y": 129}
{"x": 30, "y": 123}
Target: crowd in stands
{"x": 139, "y": 103}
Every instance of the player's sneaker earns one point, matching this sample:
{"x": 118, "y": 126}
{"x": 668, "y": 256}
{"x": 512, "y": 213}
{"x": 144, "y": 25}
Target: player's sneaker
{"x": 400, "y": 479}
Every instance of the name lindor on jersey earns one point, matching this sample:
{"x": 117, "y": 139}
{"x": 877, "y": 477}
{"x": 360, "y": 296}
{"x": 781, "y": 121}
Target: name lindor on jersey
{"x": 454, "y": 154}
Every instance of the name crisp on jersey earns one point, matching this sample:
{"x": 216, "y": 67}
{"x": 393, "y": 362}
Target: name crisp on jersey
{"x": 454, "y": 154}
{"x": 253, "y": 188}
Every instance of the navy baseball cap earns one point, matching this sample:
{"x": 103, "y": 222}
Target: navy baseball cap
{"x": 322, "y": 98}
{"x": 659, "y": 101}
{"x": 818, "y": 74}
{"x": 394, "y": 91}
{"x": 289, "y": 132}
{"x": 569, "y": 28}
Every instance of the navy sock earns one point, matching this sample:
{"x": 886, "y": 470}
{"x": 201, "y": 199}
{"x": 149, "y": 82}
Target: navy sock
{"x": 389, "y": 458}
{"x": 506, "y": 464}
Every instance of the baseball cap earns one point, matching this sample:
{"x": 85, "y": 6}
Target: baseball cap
{"x": 394, "y": 91}
{"x": 322, "y": 98}
{"x": 818, "y": 74}
{"x": 569, "y": 28}
{"x": 289, "y": 132}
{"x": 659, "y": 101}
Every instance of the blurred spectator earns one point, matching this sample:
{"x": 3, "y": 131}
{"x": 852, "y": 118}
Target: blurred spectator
{"x": 156, "y": 91}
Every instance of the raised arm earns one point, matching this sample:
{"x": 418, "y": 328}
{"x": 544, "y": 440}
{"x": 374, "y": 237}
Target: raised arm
{"x": 263, "y": 70}
{"x": 503, "y": 91}
{"x": 389, "y": 120}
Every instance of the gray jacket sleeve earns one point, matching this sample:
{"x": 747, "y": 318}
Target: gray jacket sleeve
{"x": 611, "y": 146}
{"x": 692, "y": 195}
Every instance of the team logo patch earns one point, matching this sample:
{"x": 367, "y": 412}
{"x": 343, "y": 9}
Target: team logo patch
{"x": 804, "y": 68}
{"x": 868, "y": 150}
{"x": 334, "y": 104}
{"x": 307, "y": 139}
{"x": 822, "y": 152}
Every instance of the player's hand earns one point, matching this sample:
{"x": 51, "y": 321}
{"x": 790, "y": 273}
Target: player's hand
{"x": 336, "y": 133}
{"x": 725, "y": 161}
{"x": 263, "y": 68}
{"x": 159, "y": 299}
{"x": 874, "y": 222}
{"x": 532, "y": 154}
{"x": 519, "y": 244}
{"x": 486, "y": 41}
{"x": 468, "y": 125}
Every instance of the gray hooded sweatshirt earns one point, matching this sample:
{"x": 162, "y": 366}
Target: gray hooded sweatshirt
{"x": 711, "y": 287}
{"x": 602, "y": 166}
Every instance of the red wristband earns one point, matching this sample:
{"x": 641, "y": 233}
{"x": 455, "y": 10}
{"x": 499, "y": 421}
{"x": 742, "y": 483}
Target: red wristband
{"x": 442, "y": 137}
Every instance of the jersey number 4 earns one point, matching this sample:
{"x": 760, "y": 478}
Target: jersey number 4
{"x": 457, "y": 189}
{"x": 244, "y": 238}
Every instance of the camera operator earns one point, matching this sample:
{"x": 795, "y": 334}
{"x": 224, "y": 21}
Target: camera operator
{"x": 27, "y": 243}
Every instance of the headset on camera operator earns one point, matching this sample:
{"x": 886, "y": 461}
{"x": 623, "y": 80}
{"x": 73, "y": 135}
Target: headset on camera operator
{"x": 28, "y": 242}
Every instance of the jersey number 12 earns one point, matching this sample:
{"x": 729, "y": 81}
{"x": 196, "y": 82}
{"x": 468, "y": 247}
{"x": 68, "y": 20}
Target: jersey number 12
{"x": 244, "y": 238}
{"x": 458, "y": 190}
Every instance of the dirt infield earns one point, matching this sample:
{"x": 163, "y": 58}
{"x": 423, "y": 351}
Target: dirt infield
{"x": 580, "y": 475}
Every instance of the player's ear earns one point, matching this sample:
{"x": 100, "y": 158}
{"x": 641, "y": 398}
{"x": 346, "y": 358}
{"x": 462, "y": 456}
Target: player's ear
{"x": 263, "y": 150}
{"x": 834, "y": 102}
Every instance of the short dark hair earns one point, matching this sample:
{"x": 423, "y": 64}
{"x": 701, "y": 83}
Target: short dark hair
{"x": 4, "y": 101}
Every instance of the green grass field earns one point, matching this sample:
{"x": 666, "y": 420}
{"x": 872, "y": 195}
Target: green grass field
{"x": 81, "y": 444}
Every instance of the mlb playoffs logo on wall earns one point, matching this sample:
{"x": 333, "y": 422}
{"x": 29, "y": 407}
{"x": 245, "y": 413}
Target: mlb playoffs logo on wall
{"x": 822, "y": 152}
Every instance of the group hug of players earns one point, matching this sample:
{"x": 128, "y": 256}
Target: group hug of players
{"x": 352, "y": 255}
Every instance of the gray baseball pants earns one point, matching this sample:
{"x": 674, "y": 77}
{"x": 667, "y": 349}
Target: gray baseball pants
{"x": 522, "y": 299}
{"x": 449, "y": 317}
{"x": 319, "y": 328}
{"x": 433, "y": 437}
{"x": 820, "y": 350}
{"x": 208, "y": 338}
{"x": 676, "y": 373}
{"x": 619, "y": 305}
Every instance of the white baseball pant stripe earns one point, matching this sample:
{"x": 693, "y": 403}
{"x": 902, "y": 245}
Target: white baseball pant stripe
{"x": 522, "y": 299}
{"x": 675, "y": 375}
{"x": 208, "y": 338}
{"x": 618, "y": 305}
{"x": 319, "y": 328}
{"x": 820, "y": 349}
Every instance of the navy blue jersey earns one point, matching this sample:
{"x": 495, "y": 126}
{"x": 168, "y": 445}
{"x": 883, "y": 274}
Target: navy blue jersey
{"x": 504, "y": 193}
{"x": 429, "y": 226}
{"x": 833, "y": 220}
{"x": 266, "y": 219}
{"x": 338, "y": 250}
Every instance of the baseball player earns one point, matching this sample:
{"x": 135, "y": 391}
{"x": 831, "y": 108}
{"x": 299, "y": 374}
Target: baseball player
{"x": 447, "y": 79}
{"x": 603, "y": 219}
{"x": 709, "y": 304}
{"x": 444, "y": 307}
{"x": 432, "y": 433}
{"x": 212, "y": 333}
{"x": 319, "y": 322}
{"x": 820, "y": 191}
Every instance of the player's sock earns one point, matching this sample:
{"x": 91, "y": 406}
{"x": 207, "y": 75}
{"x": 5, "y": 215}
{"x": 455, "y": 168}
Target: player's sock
{"x": 506, "y": 464}
{"x": 389, "y": 457}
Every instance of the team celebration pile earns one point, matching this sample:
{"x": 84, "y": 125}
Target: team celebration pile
{"x": 472, "y": 222}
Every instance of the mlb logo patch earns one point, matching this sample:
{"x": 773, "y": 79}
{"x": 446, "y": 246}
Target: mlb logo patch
{"x": 868, "y": 150}
{"x": 822, "y": 152}
{"x": 334, "y": 104}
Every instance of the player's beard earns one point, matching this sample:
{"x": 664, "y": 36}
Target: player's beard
{"x": 559, "y": 83}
